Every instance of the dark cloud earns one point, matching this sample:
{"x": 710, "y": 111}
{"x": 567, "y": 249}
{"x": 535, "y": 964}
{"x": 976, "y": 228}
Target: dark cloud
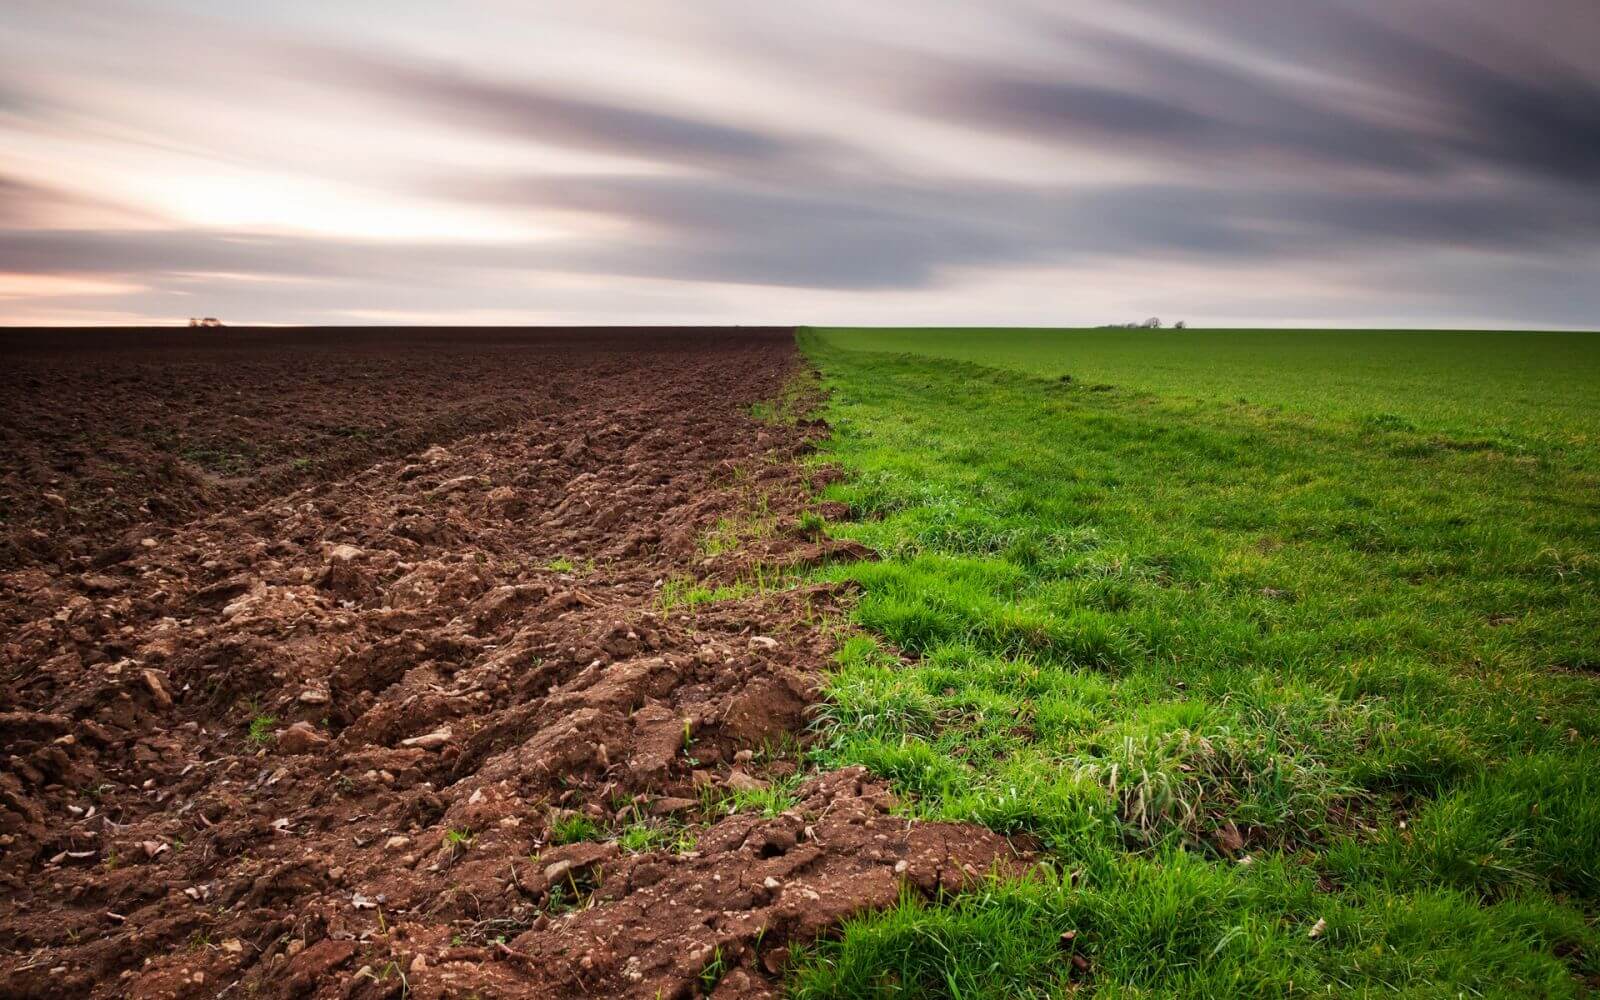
{"x": 894, "y": 234}
{"x": 1475, "y": 92}
{"x": 552, "y": 116}
{"x": 1193, "y": 109}
{"x": 68, "y": 251}
{"x": 831, "y": 234}
{"x": 163, "y": 253}
{"x": 1327, "y": 85}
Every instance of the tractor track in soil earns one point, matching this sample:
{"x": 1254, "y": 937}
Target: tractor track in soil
{"x": 462, "y": 650}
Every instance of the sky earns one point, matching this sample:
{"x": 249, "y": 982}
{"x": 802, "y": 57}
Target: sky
{"x": 899, "y": 162}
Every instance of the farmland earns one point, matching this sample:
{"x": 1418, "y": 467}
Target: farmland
{"x": 1284, "y": 645}
{"x": 478, "y": 703}
{"x": 393, "y": 663}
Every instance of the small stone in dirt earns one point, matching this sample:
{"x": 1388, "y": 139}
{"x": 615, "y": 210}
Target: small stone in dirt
{"x": 153, "y": 848}
{"x": 344, "y": 553}
{"x": 741, "y": 782}
{"x": 744, "y": 756}
{"x": 429, "y": 741}
{"x": 98, "y": 583}
{"x": 770, "y": 883}
{"x": 54, "y": 499}
{"x": 671, "y": 806}
{"x": 435, "y": 454}
{"x": 557, "y": 871}
{"x": 775, "y": 959}
{"x": 395, "y": 843}
{"x": 506, "y": 501}
{"x": 232, "y": 945}
{"x": 418, "y": 529}
{"x": 763, "y": 642}
{"x": 302, "y": 737}
{"x": 152, "y": 680}
{"x": 313, "y": 696}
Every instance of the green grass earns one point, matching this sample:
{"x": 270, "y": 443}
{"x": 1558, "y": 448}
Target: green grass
{"x": 574, "y": 829}
{"x": 1331, "y": 654}
{"x": 635, "y": 832}
{"x": 655, "y": 835}
{"x": 777, "y": 797}
{"x": 1481, "y": 383}
{"x": 260, "y": 730}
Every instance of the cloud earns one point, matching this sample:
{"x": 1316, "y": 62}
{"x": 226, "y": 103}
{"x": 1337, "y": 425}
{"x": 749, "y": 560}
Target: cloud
{"x": 1181, "y": 109}
{"x": 26, "y": 204}
{"x": 550, "y": 115}
{"x": 867, "y": 232}
{"x": 858, "y": 235}
{"x": 1254, "y": 138}
{"x": 19, "y": 201}
{"x": 1322, "y": 85}
{"x": 1475, "y": 92}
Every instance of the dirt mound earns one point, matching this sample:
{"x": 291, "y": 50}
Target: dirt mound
{"x": 721, "y": 915}
{"x": 431, "y": 727}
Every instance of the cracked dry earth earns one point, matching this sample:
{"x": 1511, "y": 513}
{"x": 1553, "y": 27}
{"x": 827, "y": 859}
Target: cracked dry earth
{"x": 383, "y": 736}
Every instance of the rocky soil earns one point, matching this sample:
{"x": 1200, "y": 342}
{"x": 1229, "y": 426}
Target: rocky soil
{"x": 433, "y": 725}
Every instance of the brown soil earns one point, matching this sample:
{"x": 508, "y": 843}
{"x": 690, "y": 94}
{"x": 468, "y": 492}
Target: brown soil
{"x": 98, "y": 435}
{"x": 437, "y": 699}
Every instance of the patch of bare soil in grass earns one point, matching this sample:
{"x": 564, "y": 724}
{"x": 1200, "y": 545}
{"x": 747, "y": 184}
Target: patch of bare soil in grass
{"x": 427, "y": 729}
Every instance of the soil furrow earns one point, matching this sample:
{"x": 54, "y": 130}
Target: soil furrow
{"x": 429, "y": 727}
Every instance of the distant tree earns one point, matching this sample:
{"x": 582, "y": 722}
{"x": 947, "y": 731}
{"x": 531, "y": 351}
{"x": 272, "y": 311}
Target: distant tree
{"x": 1153, "y": 323}
{"x": 1180, "y": 325}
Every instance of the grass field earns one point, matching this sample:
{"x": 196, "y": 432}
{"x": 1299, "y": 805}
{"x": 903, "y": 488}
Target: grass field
{"x": 1481, "y": 384}
{"x": 1286, "y": 646}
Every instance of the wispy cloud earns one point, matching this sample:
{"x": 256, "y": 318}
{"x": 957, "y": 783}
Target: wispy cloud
{"x": 640, "y": 129}
{"x": 1271, "y": 143}
{"x": 1471, "y": 90}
